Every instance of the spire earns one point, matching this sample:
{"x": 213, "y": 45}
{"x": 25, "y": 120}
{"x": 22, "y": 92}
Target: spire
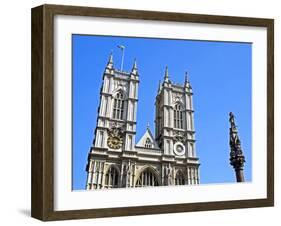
{"x": 237, "y": 158}
{"x": 110, "y": 61}
{"x": 186, "y": 81}
{"x": 186, "y": 78}
{"x": 135, "y": 64}
{"x": 147, "y": 126}
{"x": 111, "y": 58}
{"x": 159, "y": 86}
{"x": 166, "y": 77}
{"x": 135, "y": 68}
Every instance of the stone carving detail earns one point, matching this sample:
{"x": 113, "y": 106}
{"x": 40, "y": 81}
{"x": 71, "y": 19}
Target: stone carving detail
{"x": 168, "y": 172}
{"x": 179, "y": 136}
{"x": 121, "y": 85}
{"x": 117, "y": 125}
{"x": 177, "y": 98}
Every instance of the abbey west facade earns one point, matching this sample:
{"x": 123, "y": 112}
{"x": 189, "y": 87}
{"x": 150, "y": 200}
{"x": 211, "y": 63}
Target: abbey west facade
{"x": 169, "y": 158}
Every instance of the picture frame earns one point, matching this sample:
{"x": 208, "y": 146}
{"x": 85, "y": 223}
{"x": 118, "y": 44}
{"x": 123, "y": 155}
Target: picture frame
{"x": 43, "y": 111}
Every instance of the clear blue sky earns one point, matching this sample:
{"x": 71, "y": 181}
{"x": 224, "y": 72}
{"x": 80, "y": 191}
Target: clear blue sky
{"x": 220, "y": 75}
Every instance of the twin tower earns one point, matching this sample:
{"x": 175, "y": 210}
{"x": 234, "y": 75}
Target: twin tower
{"x": 169, "y": 158}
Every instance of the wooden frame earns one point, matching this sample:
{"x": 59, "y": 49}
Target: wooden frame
{"x": 43, "y": 112}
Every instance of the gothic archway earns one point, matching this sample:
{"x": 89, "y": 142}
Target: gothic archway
{"x": 111, "y": 179}
{"x": 179, "y": 179}
{"x": 148, "y": 177}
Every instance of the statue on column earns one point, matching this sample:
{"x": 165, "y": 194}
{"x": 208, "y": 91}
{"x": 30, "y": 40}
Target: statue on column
{"x": 237, "y": 158}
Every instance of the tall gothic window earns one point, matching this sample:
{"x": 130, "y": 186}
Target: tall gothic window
{"x": 179, "y": 180}
{"x": 147, "y": 178}
{"x": 118, "y": 106}
{"x": 147, "y": 143}
{"x": 178, "y": 116}
{"x": 111, "y": 178}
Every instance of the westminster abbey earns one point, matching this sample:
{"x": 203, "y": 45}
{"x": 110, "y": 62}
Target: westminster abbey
{"x": 166, "y": 158}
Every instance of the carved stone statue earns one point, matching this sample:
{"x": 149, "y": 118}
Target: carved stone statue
{"x": 231, "y": 120}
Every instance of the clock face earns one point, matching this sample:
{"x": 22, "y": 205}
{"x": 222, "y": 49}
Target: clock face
{"x": 114, "y": 142}
{"x": 179, "y": 148}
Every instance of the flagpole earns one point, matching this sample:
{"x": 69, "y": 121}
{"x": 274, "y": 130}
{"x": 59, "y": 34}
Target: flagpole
{"x": 123, "y": 53}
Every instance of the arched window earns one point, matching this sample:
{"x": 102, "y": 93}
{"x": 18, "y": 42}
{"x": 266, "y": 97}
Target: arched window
{"x": 179, "y": 180}
{"x": 111, "y": 178}
{"x": 147, "y": 143}
{"x": 178, "y": 116}
{"x": 118, "y": 106}
{"x": 147, "y": 178}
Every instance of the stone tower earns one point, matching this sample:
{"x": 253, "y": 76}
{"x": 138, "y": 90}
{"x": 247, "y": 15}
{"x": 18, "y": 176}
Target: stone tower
{"x": 174, "y": 130}
{"x": 116, "y": 123}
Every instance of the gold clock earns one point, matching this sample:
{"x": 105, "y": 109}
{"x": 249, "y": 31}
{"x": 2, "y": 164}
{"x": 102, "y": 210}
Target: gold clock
{"x": 114, "y": 142}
